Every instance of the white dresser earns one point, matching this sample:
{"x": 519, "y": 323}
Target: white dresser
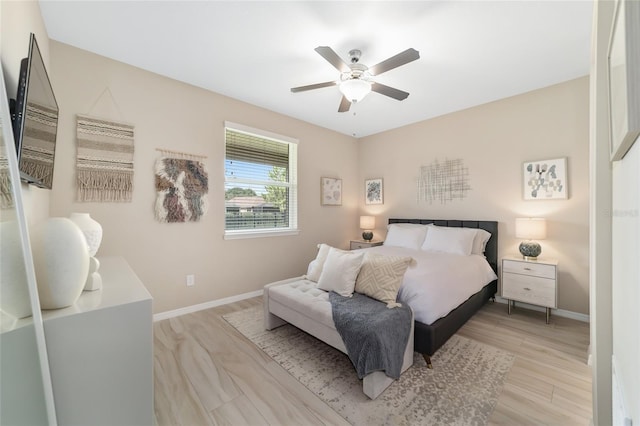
{"x": 101, "y": 352}
{"x": 534, "y": 282}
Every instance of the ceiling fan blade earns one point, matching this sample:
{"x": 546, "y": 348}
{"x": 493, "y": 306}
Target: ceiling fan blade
{"x": 400, "y": 59}
{"x": 332, "y": 57}
{"x": 389, "y": 91}
{"x": 344, "y": 105}
{"x": 313, "y": 86}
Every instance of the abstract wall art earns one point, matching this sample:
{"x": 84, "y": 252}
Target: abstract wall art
{"x": 373, "y": 191}
{"x": 331, "y": 191}
{"x": 443, "y": 181}
{"x": 545, "y": 180}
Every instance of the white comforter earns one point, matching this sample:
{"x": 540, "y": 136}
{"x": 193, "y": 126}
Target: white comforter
{"x": 437, "y": 283}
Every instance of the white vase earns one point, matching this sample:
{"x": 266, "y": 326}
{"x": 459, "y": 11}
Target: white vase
{"x": 91, "y": 229}
{"x": 14, "y": 291}
{"x": 61, "y": 260}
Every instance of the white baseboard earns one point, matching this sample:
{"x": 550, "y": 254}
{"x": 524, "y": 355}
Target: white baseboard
{"x": 558, "y": 312}
{"x": 207, "y": 305}
{"x": 213, "y": 303}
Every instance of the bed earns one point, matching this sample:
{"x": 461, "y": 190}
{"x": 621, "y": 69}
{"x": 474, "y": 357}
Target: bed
{"x": 470, "y": 280}
{"x": 428, "y": 338}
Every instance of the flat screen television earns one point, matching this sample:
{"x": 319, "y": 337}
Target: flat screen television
{"x": 35, "y": 120}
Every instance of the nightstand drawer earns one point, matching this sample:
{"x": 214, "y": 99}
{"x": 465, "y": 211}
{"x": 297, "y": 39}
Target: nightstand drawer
{"x": 361, "y": 244}
{"x": 524, "y": 288}
{"x": 529, "y": 268}
{"x": 356, "y": 245}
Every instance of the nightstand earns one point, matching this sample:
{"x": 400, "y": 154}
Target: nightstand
{"x": 534, "y": 282}
{"x": 360, "y": 244}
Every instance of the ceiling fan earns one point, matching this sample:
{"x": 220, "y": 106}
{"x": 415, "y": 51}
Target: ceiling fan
{"x": 356, "y": 79}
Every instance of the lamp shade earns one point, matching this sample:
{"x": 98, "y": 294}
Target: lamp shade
{"x": 367, "y": 222}
{"x": 355, "y": 89}
{"x": 531, "y": 228}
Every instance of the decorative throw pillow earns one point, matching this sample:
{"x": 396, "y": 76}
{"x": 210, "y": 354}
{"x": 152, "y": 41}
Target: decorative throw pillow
{"x": 381, "y": 277}
{"x": 407, "y": 235}
{"x": 480, "y": 241}
{"x": 340, "y": 271}
{"x": 315, "y": 267}
{"x": 449, "y": 240}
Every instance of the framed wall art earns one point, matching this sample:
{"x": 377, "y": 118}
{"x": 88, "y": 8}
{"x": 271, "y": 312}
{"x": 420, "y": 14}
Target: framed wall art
{"x": 373, "y": 191}
{"x": 331, "y": 191}
{"x": 623, "y": 66}
{"x": 443, "y": 181}
{"x": 545, "y": 180}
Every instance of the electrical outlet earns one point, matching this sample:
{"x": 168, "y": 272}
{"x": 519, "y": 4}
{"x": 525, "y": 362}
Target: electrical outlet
{"x": 191, "y": 280}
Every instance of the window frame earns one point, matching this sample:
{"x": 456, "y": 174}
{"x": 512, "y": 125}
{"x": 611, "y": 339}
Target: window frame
{"x": 292, "y": 229}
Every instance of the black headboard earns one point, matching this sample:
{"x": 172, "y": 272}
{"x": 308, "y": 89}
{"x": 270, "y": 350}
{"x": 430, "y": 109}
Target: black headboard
{"x": 491, "y": 250}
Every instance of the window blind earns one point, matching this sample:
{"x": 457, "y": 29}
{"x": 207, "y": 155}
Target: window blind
{"x": 260, "y": 182}
{"x": 253, "y": 149}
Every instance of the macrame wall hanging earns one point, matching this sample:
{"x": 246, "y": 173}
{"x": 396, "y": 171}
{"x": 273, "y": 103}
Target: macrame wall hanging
{"x": 6, "y": 195}
{"x": 182, "y": 184}
{"x": 38, "y": 144}
{"x": 443, "y": 181}
{"x": 104, "y": 166}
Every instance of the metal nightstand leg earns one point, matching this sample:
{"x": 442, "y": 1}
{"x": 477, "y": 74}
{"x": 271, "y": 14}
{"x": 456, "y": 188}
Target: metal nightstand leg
{"x": 548, "y": 314}
{"x": 509, "y": 305}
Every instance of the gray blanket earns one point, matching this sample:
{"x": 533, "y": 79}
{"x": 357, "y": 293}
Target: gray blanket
{"x": 375, "y": 336}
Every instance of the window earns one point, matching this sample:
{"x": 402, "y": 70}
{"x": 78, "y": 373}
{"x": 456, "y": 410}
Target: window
{"x": 260, "y": 183}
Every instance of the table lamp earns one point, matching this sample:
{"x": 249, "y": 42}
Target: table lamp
{"x": 367, "y": 223}
{"x": 531, "y": 228}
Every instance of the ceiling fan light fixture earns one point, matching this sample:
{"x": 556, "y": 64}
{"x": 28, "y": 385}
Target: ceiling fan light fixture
{"x": 355, "y": 89}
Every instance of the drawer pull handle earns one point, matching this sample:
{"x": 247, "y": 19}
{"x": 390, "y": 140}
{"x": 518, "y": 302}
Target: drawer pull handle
{"x": 527, "y": 269}
{"x": 527, "y": 288}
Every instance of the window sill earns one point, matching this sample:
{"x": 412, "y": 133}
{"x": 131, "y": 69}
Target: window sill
{"x": 237, "y": 235}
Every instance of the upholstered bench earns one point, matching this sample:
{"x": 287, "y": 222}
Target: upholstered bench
{"x": 300, "y": 302}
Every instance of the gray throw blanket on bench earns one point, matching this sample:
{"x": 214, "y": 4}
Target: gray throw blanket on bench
{"x": 374, "y": 335}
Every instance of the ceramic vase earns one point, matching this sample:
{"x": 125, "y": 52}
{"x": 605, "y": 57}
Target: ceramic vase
{"x": 14, "y": 291}
{"x": 61, "y": 261}
{"x": 91, "y": 229}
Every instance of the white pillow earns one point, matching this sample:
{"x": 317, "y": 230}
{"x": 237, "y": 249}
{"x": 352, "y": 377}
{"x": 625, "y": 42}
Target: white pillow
{"x": 407, "y": 235}
{"x": 315, "y": 267}
{"x": 449, "y": 240}
{"x": 480, "y": 241}
{"x": 340, "y": 271}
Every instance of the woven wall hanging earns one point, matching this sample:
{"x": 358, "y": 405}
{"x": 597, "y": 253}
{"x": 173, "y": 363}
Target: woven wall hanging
{"x": 182, "y": 185}
{"x": 105, "y": 160}
{"x": 38, "y": 145}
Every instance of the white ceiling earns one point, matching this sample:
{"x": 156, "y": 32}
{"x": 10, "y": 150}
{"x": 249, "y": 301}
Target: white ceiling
{"x": 471, "y": 52}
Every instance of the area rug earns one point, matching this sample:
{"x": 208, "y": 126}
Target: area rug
{"x": 461, "y": 389}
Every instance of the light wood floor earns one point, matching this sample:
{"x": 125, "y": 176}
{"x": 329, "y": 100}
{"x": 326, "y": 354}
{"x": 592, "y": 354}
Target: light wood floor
{"x": 206, "y": 373}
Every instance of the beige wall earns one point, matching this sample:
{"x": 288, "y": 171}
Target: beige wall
{"x": 547, "y": 123}
{"x": 172, "y": 115}
{"x": 494, "y": 140}
{"x": 17, "y": 20}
